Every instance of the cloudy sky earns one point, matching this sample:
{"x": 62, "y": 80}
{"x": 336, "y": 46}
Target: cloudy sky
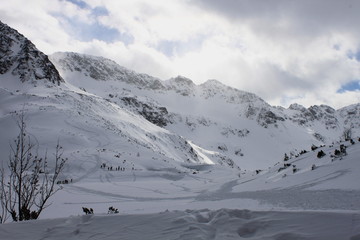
{"x": 285, "y": 51}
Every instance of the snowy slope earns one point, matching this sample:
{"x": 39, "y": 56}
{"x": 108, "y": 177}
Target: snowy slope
{"x": 92, "y": 130}
{"x": 216, "y": 117}
{"x": 222, "y": 224}
{"x": 329, "y": 195}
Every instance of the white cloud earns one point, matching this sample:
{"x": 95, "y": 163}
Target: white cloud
{"x": 284, "y": 51}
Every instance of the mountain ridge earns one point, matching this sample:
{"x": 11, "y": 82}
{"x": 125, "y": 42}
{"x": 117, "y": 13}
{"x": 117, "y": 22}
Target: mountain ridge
{"x": 226, "y": 121}
{"x": 87, "y": 124}
{"x": 215, "y": 116}
{"x": 20, "y": 57}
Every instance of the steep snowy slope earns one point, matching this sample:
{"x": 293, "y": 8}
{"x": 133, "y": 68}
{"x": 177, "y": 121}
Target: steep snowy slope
{"x": 222, "y": 119}
{"x": 92, "y": 130}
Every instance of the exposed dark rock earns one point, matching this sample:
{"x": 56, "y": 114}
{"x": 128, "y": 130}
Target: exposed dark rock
{"x": 154, "y": 114}
{"x": 20, "y": 56}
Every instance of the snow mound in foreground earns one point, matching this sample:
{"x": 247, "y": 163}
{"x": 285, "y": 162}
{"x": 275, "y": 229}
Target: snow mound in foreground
{"x": 200, "y": 224}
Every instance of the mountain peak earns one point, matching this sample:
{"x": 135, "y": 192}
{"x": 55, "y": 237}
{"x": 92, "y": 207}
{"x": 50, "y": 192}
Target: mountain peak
{"x": 181, "y": 85}
{"x": 213, "y": 83}
{"x": 22, "y": 59}
{"x": 298, "y": 107}
{"x": 102, "y": 69}
{"x": 182, "y": 80}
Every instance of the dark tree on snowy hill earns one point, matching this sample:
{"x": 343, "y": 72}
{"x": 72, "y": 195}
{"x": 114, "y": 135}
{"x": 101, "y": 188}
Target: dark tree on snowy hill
{"x": 321, "y": 154}
{"x": 29, "y": 182}
{"x": 313, "y": 147}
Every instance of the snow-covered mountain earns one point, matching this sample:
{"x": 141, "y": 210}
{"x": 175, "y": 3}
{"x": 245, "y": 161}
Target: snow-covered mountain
{"x": 212, "y": 115}
{"x": 20, "y": 59}
{"x": 175, "y": 119}
{"x": 150, "y": 147}
{"x": 92, "y": 130}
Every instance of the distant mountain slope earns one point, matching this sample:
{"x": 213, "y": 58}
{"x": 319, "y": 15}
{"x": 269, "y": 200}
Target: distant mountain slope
{"x": 214, "y": 116}
{"x": 92, "y": 130}
{"x": 103, "y": 69}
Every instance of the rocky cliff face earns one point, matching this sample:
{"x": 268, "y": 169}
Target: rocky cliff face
{"x": 151, "y": 112}
{"x": 20, "y": 57}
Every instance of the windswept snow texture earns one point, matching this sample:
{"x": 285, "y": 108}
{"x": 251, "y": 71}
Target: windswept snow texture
{"x": 222, "y": 224}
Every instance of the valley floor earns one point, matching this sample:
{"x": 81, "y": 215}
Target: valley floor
{"x": 197, "y": 224}
{"x": 154, "y": 203}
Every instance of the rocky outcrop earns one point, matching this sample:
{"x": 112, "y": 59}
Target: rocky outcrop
{"x": 154, "y": 114}
{"x": 20, "y": 57}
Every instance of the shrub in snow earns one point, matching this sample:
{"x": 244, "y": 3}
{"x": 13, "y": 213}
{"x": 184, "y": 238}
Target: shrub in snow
{"x": 239, "y": 153}
{"x": 29, "y": 182}
{"x": 343, "y": 149}
{"x": 313, "y": 167}
{"x": 286, "y": 165}
{"x": 113, "y": 210}
{"x": 337, "y": 152}
{"x": 321, "y": 154}
{"x": 223, "y": 148}
{"x": 286, "y": 157}
{"x": 303, "y": 152}
{"x": 88, "y": 210}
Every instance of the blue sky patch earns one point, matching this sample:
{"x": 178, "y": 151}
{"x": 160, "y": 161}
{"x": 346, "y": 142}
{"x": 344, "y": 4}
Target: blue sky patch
{"x": 79, "y": 3}
{"x": 350, "y": 86}
{"x": 169, "y": 48}
{"x": 88, "y": 31}
{"x": 98, "y": 31}
{"x": 337, "y": 47}
{"x": 354, "y": 55}
{"x": 84, "y": 31}
{"x": 100, "y": 11}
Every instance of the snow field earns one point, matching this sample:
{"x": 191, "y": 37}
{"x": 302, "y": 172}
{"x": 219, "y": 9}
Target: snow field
{"x": 193, "y": 224}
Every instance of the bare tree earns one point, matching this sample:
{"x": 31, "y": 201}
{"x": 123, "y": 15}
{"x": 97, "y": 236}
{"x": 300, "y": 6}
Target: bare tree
{"x": 29, "y": 182}
{"x": 3, "y": 206}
